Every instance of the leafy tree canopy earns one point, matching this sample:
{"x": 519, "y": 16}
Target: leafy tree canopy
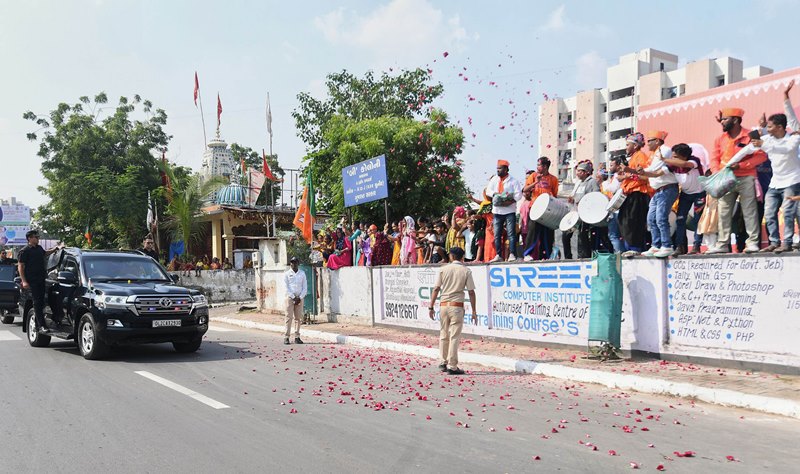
{"x": 99, "y": 170}
{"x": 362, "y": 118}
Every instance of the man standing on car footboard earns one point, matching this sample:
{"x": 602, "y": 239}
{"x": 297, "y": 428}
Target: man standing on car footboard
{"x": 33, "y": 271}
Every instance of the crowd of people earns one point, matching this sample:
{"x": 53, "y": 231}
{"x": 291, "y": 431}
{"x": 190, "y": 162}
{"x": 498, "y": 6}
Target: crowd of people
{"x": 652, "y": 180}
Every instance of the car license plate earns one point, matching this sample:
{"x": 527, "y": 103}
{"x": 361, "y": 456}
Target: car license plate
{"x": 166, "y": 323}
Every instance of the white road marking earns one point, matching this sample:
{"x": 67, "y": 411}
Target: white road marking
{"x": 181, "y": 389}
{"x": 220, "y": 329}
{"x": 8, "y": 336}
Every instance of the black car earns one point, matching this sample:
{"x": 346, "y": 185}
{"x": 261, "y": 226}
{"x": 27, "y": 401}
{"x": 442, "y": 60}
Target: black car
{"x": 9, "y": 293}
{"x": 103, "y": 299}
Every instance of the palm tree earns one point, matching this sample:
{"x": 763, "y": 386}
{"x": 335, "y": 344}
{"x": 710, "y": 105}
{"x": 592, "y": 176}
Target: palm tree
{"x": 185, "y": 199}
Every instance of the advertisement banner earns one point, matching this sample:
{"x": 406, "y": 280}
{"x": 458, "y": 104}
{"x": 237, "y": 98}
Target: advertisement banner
{"x": 536, "y": 302}
{"x": 747, "y": 304}
{"x": 365, "y": 181}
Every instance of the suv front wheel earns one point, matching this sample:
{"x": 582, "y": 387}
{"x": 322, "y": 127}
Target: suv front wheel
{"x": 34, "y": 338}
{"x": 187, "y": 347}
{"x": 91, "y": 347}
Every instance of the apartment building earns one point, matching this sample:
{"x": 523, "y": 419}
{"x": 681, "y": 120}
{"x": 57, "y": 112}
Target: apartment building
{"x": 593, "y": 124}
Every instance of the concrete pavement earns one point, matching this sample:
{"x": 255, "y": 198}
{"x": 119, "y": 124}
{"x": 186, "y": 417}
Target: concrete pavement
{"x": 764, "y": 392}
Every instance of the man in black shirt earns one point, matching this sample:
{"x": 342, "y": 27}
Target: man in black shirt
{"x": 33, "y": 272}
{"x": 149, "y": 248}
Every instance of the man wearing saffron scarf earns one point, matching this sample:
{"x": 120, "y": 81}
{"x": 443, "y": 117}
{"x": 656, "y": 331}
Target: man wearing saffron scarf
{"x": 633, "y": 213}
{"x": 504, "y": 191}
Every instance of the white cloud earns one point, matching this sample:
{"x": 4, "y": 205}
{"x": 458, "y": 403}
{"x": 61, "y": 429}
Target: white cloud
{"x": 401, "y": 31}
{"x": 556, "y": 20}
{"x": 591, "y": 70}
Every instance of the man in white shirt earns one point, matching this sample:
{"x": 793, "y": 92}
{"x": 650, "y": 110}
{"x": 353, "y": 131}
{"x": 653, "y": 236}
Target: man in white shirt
{"x": 609, "y": 187}
{"x": 663, "y": 181}
{"x": 687, "y": 169}
{"x": 296, "y": 290}
{"x": 504, "y": 191}
{"x": 783, "y": 151}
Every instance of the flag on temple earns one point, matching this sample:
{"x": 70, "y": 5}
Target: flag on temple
{"x": 150, "y": 216}
{"x": 267, "y": 171}
{"x": 256, "y": 183}
{"x": 219, "y": 110}
{"x": 304, "y": 217}
{"x": 196, "y": 88}
{"x": 88, "y": 235}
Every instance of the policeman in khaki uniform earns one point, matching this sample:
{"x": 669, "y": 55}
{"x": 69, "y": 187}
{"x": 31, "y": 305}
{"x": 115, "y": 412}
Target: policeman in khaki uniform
{"x": 451, "y": 282}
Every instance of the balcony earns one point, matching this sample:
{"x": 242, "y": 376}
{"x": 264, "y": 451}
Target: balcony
{"x": 616, "y": 145}
{"x": 620, "y": 104}
{"x": 620, "y": 124}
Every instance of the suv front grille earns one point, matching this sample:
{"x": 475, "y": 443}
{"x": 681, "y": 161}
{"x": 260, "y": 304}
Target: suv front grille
{"x": 177, "y": 305}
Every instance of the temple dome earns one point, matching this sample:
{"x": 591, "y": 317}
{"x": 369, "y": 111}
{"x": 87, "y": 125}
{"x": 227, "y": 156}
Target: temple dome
{"x": 233, "y": 194}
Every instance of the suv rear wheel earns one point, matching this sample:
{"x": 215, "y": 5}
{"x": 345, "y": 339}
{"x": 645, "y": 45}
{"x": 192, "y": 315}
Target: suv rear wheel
{"x": 91, "y": 347}
{"x": 34, "y": 338}
{"x": 187, "y": 347}
{"x": 8, "y": 318}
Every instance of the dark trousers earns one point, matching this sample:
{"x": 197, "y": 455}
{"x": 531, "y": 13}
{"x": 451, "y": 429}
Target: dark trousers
{"x": 633, "y": 220}
{"x": 592, "y": 239}
{"x": 538, "y": 241}
{"x": 37, "y": 295}
{"x": 685, "y": 203}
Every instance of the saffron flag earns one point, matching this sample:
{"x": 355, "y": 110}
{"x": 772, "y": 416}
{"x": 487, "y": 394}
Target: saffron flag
{"x": 165, "y": 181}
{"x": 88, "y": 235}
{"x": 196, "y": 88}
{"x": 267, "y": 171}
{"x": 304, "y": 217}
{"x": 219, "y": 110}
{"x": 244, "y": 168}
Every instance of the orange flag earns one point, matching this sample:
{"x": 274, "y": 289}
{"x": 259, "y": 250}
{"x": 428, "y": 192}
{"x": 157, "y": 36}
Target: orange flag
{"x": 304, "y": 217}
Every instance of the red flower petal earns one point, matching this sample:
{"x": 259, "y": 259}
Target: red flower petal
{"x": 611, "y": 452}
{"x": 537, "y": 458}
{"x": 660, "y": 467}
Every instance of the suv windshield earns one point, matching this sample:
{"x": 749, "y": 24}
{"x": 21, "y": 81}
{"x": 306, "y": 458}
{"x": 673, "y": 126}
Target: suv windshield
{"x": 122, "y": 267}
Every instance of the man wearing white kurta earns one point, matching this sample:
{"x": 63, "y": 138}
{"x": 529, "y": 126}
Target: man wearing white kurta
{"x": 296, "y": 291}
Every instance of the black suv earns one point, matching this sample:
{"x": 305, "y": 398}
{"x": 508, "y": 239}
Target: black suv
{"x": 9, "y": 293}
{"x": 107, "y": 298}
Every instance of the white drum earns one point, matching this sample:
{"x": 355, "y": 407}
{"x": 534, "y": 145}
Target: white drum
{"x": 592, "y": 209}
{"x": 570, "y": 222}
{"x": 616, "y": 201}
{"x": 549, "y": 211}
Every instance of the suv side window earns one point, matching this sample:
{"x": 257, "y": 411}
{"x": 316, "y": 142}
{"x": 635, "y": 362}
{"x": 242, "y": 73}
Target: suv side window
{"x": 70, "y": 265}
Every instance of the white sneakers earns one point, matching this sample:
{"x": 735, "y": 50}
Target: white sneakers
{"x": 651, "y": 252}
{"x": 630, "y": 254}
{"x": 497, "y": 258}
{"x": 512, "y": 258}
{"x": 527, "y": 258}
{"x": 752, "y": 249}
{"x": 665, "y": 252}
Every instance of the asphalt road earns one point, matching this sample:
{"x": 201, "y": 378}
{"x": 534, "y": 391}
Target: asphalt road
{"x": 247, "y": 403}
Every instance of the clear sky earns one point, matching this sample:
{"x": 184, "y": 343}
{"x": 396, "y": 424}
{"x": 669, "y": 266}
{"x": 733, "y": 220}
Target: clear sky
{"x": 505, "y": 55}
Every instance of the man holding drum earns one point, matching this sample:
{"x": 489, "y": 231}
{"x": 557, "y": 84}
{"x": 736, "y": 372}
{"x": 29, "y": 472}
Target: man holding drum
{"x": 504, "y": 191}
{"x": 539, "y": 238}
{"x": 590, "y": 237}
{"x": 633, "y": 213}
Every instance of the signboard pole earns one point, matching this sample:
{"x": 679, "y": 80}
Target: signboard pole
{"x": 386, "y": 209}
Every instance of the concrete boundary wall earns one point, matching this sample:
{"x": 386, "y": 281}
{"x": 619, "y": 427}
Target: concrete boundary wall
{"x": 738, "y": 309}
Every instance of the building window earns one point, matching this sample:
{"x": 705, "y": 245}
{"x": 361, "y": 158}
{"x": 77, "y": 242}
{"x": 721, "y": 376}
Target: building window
{"x": 669, "y": 93}
{"x": 720, "y": 81}
{"x": 682, "y": 89}
{"x": 661, "y": 68}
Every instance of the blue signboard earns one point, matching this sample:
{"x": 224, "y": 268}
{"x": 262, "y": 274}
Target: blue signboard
{"x": 365, "y": 181}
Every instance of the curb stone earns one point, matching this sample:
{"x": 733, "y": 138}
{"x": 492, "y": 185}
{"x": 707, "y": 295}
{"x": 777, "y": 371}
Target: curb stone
{"x": 724, "y": 397}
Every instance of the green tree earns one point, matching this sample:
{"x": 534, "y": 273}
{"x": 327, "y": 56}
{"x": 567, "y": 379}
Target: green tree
{"x": 405, "y": 95}
{"x": 98, "y": 171}
{"x": 423, "y": 171}
{"x": 362, "y": 118}
{"x": 253, "y": 159}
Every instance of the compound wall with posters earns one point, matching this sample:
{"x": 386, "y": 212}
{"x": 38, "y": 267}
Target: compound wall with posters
{"x": 539, "y": 302}
{"x": 735, "y": 308}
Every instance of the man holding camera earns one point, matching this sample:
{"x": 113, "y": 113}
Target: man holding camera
{"x": 504, "y": 191}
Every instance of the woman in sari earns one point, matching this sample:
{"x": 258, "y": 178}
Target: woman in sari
{"x": 381, "y": 246}
{"x": 396, "y": 238}
{"x": 343, "y": 255}
{"x": 355, "y": 243}
{"x": 408, "y": 250}
{"x": 455, "y": 236}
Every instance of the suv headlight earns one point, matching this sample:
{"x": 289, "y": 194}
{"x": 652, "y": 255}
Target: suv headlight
{"x": 199, "y": 300}
{"x": 111, "y": 302}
